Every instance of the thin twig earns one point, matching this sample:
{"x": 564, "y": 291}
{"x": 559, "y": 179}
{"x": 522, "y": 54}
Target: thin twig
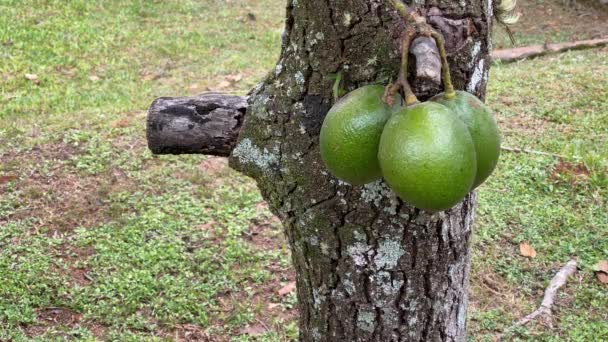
{"x": 523, "y": 150}
{"x": 402, "y": 83}
{"x": 336, "y": 87}
{"x": 445, "y": 67}
{"x": 549, "y": 298}
{"x": 491, "y": 285}
{"x": 410, "y": 97}
{"x": 263, "y": 324}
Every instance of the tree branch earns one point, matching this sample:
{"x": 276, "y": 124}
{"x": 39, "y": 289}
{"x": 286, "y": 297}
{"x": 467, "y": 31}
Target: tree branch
{"x": 549, "y": 298}
{"x": 205, "y": 124}
{"x": 512, "y": 55}
{"x": 541, "y": 153}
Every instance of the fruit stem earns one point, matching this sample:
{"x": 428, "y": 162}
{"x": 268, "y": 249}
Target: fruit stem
{"x": 402, "y": 83}
{"x": 412, "y": 18}
{"x": 402, "y": 9}
{"x": 445, "y": 67}
{"x": 336, "y": 88}
{"x": 410, "y": 97}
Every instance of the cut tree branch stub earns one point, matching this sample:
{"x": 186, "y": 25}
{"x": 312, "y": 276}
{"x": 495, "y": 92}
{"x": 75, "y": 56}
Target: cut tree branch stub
{"x": 205, "y": 124}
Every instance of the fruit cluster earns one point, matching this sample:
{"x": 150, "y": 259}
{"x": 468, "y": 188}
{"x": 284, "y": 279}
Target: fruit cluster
{"x": 432, "y": 154}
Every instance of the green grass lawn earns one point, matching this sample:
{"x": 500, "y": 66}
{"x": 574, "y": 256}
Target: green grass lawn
{"x": 100, "y": 240}
{"x": 554, "y": 21}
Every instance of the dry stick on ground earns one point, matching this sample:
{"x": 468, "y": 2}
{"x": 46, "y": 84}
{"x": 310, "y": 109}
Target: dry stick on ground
{"x": 523, "y": 150}
{"x": 512, "y": 55}
{"x": 545, "y": 307}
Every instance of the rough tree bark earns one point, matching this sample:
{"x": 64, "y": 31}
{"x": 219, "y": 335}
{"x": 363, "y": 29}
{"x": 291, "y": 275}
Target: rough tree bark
{"x": 205, "y": 124}
{"x": 369, "y": 267}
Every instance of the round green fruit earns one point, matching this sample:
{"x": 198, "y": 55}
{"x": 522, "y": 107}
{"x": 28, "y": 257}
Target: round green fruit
{"x": 482, "y": 127}
{"x": 351, "y": 133}
{"x": 427, "y": 156}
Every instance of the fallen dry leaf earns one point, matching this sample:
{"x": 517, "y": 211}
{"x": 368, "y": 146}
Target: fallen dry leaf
{"x": 526, "y": 250}
{"x": 234, "y": 78}
{"x": 213, "y": 165}
{"x": 33, "y": 78}
{"x": 207, "y": 225}
{"x": 273, "y": 306}
{"x": 6, "y": 179}
{"x": 223, "y": 84}
{"x": 94, "y": 78}
{"x": 601, "y": 266}
{"x": 261, "y": 206}
{"x": 290, "y": 287}
{"x": 153, "y": 76}
{"x": 122, "y": 123}
{"x": 601, "y": 271}
{"x": 253, "y": 330}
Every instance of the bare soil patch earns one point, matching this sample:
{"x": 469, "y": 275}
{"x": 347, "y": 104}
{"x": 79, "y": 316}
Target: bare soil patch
{"x": 266, "y": 299}
{"x": 523, "y": 124}
{"x": 58, "y": 199}
{"x": 571, "y": 172}
{"x": 190, "y": 333}
{"x": 214, "y": 165}
{"x": 78, "y": 275}
{"x": 50, "y": 318}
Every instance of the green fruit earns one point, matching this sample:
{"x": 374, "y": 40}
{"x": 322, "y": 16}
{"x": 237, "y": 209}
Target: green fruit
{"x": 482, "y": 126}
{"x": 427, "y": 156}
{"x": 351, "y": 133}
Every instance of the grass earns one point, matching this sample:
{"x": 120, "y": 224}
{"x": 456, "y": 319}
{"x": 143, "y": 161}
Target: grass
{"x": 558, "y": 206}
{"x": 106, "y": 61}
{"x": 562, "y": 21}
{"x": 100, "y": 240}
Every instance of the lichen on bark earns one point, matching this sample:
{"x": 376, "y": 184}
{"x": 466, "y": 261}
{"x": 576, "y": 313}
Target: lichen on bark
{"x": 369, "y": 267}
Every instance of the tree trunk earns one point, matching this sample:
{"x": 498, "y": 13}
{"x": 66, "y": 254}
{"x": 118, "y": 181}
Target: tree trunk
{"x": 369, "y": 267}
